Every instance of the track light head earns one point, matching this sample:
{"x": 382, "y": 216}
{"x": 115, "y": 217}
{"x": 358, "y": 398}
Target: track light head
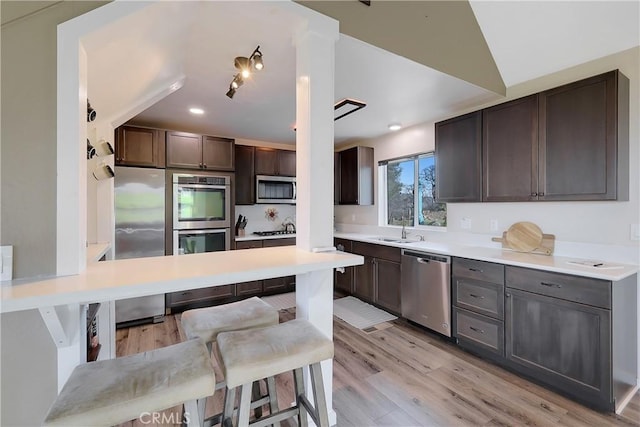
{"x": 237, "y": 81}
{"x": 245, "y": 66}
{"x": 257, "y": 59}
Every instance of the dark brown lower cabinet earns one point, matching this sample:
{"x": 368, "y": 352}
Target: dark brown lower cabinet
{"x": 565, "y": 344}
{"x": 343, "y": 280}
{"x": 267, "y": 286}
{"x": 203, "y": 296}
{"x": 575, "y": 334}
{"x": 279, "y": 284}
{"x": 363, "y": 277}
{"x": 387, "y": 289}
{"x": 378, "y": 279}
{"x": 249, "y": 289}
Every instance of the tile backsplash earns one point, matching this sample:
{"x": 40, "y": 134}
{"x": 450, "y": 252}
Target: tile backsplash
{"x": 257, "y": 218}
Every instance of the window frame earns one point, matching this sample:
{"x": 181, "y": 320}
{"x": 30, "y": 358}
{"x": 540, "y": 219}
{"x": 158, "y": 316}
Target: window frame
{"x": 383, "y": 217}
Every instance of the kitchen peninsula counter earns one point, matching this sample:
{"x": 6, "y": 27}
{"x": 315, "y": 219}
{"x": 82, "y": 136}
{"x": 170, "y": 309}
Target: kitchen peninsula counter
{"x": 129, "y": 278}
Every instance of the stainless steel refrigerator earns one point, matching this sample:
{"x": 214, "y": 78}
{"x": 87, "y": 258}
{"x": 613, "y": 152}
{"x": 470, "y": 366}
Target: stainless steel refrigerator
{"x": 140, "y": 227}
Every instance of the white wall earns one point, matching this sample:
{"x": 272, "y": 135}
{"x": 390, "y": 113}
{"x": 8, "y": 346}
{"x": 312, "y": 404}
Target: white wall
{"x": 28, "y": 130}
{"x": 589, "y": 222}
{"x": 100, "y": 216}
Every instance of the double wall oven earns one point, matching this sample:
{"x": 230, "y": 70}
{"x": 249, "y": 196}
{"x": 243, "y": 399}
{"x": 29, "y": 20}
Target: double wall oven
{"x": 201, "y": 213}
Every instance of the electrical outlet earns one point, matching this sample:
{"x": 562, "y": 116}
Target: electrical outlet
{"x": 6, "y": 258}
{"x": 465, "y": 223}
{"x": 493, "y": 225}
{"x": 634, "y": 232}
{"x": 353, "y": 217}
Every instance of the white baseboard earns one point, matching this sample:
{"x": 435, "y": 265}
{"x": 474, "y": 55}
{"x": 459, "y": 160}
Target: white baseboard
{"x": 623, "y": 403}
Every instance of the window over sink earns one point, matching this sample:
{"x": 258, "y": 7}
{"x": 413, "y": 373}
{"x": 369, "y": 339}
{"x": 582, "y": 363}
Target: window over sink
{"x": 400, "y": 201}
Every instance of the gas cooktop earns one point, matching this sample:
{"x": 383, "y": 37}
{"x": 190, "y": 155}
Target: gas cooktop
{"x": 273, "y": 233}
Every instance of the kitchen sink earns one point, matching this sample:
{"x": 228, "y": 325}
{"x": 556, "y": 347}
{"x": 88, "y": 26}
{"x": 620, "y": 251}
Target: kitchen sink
{"x": 393, "y": 240}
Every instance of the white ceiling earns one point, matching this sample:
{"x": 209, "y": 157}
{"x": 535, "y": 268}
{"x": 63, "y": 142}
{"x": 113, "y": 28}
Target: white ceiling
{"x": 171, "y": 56}
{"x": 529, "y": 39}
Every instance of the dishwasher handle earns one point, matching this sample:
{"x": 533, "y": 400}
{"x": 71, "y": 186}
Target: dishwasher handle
{"x": 424, "y": 258}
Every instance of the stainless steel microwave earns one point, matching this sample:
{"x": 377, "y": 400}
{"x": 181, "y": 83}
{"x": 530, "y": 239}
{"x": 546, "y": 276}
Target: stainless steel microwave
{"x": 276, "y": 189}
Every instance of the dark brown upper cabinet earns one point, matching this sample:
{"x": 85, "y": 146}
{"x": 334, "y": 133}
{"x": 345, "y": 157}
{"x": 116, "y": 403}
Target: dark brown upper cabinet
{"x": 566, "y": 143}
{"x": 459, "y": 158}
{"x": 269, "y": 161}
{"x": 193, "y": 151}
{"x": 355, "y": 176}
{"x": 510, "y": 151}
{"x": 584, "y": 140}
{"x": 245, "y": 181}
{"x": 139, "y": 147}
{"x": 218, "y": 153}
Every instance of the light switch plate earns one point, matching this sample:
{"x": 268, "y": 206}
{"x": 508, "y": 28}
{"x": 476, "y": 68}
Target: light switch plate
{"x": 6, "y": 262}
{"x": 493, "y": 225}
{"x": 634, "y": 232}
{"x": 465, "y": 223}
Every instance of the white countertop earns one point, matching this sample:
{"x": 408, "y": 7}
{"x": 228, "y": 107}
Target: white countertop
{"x": 256, "y": 237}
{"x": 128, "y": 278}
{"x": 95, "y": 251}
{"x": 558, "y": 264}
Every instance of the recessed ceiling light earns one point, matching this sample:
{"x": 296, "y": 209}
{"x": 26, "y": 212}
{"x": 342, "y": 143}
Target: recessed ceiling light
{"x": 198, "y": 111}
{"x": 395, "y": 126}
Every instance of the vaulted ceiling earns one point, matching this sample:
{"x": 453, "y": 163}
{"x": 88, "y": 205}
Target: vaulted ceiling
{"x": 155, "y": 64}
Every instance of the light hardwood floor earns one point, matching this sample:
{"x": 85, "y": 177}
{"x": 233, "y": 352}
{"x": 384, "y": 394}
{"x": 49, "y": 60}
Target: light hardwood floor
{"x": 400, "y": 375}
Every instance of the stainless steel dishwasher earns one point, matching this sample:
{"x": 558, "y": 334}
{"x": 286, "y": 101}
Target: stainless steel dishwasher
{"x": 426, "y": 290}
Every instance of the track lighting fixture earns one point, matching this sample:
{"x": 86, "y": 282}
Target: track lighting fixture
{"x": 91, "y": 113}
{"x": 245, "y": 66}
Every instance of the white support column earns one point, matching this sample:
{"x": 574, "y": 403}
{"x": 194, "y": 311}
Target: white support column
{"x": 315, "y": 47}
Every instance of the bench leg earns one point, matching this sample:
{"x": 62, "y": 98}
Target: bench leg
{"x": 299, "y": 387}
{"x": 229, "y": 404}
{"x": 244, "y": 407}
{"x": 319, "y": 400}
{"x": 256, "y": 395}
{"x": 273, "y": 397}
{"x": 192, "y": 415}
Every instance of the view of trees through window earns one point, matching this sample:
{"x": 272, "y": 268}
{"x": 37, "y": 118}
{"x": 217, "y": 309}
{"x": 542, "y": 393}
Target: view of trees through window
{"x": 403, "y": 202}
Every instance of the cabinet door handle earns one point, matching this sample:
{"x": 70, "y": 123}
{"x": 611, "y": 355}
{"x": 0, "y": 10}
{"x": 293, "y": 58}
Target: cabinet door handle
{"x": 508, "y": 295}
{"x": 534, "y": 194}
{"x": 476, "y": 296}
{"x": 476, "y": 270}
{"x": 204, "y": 165}
{"x": 185, "y": 293}
{"x": 540, "y": 194}
{"x": 550, "y": 285}
{"x": 473, "y": 328}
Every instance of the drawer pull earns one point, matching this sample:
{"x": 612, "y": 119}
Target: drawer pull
{"x": 185, "y": 293}
{"x": 476, "y": 296}
{"x": 550, "y": 285}
{"x": 476, "y": 269}
{"x": 473, "y": 328}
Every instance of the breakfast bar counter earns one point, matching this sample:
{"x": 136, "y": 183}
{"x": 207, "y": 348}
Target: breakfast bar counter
{"x": 129, "y": 278}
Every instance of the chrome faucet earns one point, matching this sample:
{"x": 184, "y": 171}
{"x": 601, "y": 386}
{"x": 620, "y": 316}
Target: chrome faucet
{"x": 404, "y": 231}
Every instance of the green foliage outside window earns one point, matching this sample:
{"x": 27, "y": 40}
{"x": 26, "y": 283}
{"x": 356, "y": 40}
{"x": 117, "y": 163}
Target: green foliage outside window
{"x": 404, "y": 205}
